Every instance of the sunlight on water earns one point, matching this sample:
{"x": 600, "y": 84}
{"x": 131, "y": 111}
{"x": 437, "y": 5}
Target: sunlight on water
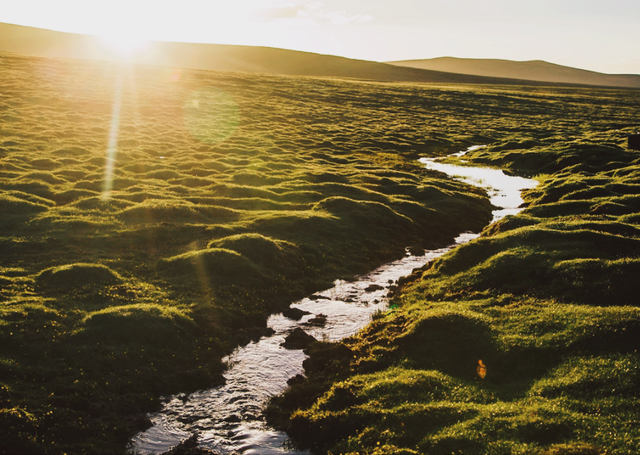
{"x": 504, "y": 190}
{"x": 228, "y": 419}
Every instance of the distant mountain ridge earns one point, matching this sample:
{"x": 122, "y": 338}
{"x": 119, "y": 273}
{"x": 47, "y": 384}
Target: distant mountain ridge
{"x": 219, "y": 57}
{"x": 535, "y": 70}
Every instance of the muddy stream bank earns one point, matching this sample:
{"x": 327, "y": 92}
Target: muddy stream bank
{"x": 228, "y": 419}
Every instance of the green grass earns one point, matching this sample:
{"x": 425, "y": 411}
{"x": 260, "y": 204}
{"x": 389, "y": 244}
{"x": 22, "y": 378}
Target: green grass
{"x": 142, "y": 243}
{"x": 547, "y": 300}
{"x": 127, "y": 276}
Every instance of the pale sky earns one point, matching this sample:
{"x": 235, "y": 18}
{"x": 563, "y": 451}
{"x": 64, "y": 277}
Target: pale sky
{"x": 599, "y": 35}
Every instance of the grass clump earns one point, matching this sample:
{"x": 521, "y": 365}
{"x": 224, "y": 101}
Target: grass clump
{"x": 215, "y": 265}
{"x": 592, "y": 378}
{"x": 148, "y": 322}
{"x": 11, "y": 205}
{"x": 76, "y": 276}
{"x": 263, "y": 250}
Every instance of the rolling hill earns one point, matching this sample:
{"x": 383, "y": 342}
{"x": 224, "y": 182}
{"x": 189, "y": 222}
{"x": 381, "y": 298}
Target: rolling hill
{"x": 535, "y": 70}
{"x": 217, "y": 57}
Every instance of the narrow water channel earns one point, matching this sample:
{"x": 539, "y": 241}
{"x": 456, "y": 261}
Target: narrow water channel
{"x": 228, "y": 419}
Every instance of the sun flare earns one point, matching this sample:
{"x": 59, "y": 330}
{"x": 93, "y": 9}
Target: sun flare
{"x": 124, "y": 43}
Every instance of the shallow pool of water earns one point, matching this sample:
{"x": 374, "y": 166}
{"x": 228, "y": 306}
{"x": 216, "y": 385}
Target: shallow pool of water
{"x": 229, "y": 418}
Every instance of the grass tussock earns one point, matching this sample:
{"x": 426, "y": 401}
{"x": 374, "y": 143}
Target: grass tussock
{"x": 149, "y": 323}
{"x": 76, "y": 276}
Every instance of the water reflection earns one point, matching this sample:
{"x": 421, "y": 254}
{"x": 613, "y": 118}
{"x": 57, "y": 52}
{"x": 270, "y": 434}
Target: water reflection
{"x": 504, "y": 190}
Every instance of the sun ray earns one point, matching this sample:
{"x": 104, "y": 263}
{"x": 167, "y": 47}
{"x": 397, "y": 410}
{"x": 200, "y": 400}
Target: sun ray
{"x": 112, "y": 145}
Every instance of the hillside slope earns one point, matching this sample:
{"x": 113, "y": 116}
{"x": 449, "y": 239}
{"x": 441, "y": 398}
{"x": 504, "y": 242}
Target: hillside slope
{"x": 218, "y": 57}
{"x": 535, "y": 70}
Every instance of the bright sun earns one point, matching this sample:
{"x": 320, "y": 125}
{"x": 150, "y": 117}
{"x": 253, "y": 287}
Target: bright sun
{"x": 124, "y": 43}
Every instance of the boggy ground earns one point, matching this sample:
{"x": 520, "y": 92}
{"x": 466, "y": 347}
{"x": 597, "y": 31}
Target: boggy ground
{"x": 523, "y": 341}
{"x": 152, "y": 218}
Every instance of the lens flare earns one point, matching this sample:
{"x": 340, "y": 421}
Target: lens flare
{"x": 112, "y": 145}
{"x": 481, "y": 369}
{"x": 211, "y": 115}
{"x": 200, "y": 268}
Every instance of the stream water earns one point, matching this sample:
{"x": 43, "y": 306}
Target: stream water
{"x": 228, "y": 419}
{"x": 504, "y": 190}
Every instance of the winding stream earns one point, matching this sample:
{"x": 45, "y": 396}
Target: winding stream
{"x": 228, "y": 419}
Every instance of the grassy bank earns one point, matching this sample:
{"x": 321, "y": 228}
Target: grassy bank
{"x": 152, "y": 218}
{"x": 522, "y": 341}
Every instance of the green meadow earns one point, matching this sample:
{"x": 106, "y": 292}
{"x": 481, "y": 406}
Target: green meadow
{"x": 152, "y": 218}
{"x": 524, "y": 341}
